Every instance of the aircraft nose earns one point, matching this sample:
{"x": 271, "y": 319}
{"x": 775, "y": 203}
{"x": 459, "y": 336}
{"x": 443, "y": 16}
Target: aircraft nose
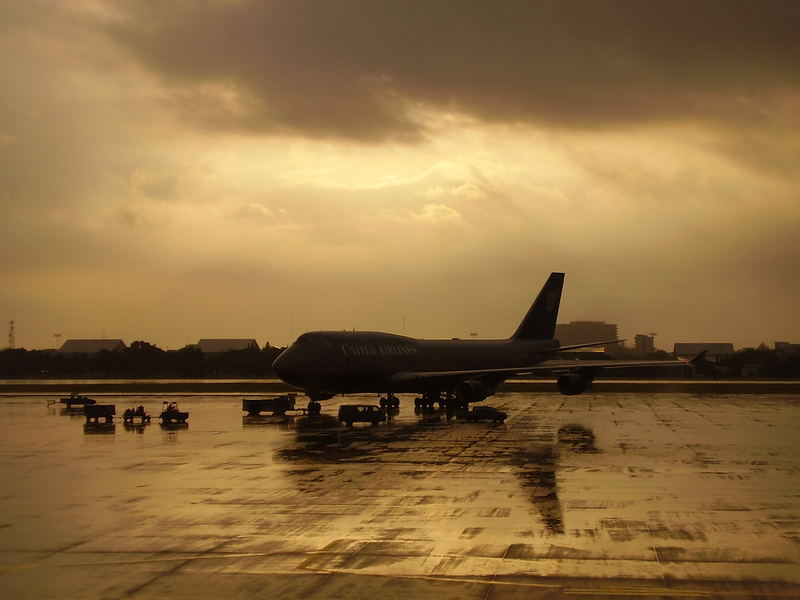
{"x": 279, "y": 364}
{"x": 285, "y": 366}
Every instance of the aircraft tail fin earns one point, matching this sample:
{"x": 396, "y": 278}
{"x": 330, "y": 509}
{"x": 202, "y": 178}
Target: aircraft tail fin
{"x": 540, "y": 321}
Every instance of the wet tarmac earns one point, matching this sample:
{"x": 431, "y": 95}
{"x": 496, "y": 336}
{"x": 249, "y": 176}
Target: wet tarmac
{"x": 602, "y": 495}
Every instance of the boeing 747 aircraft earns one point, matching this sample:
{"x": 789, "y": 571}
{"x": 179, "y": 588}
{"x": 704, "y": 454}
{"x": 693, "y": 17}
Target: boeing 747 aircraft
{"x": 325, "y": 363}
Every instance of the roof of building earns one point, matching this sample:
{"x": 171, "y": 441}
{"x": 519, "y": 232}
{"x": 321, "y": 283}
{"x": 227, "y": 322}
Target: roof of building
{"x": 211, "y": 346}
{"x": 588, "y": 323}
{"x": 91, "y": 346}
{"x": 694, "y": 348}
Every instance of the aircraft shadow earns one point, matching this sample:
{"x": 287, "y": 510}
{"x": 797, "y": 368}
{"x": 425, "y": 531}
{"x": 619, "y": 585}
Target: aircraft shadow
{"x": 537, "y": 470}
{"x": 321, "y": 440}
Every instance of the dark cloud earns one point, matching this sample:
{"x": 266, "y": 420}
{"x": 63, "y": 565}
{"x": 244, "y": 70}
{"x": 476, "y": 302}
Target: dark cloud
{"x": 358, "y": 68}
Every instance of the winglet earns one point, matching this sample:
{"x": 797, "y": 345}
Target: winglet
{"x": 540, "y": 321}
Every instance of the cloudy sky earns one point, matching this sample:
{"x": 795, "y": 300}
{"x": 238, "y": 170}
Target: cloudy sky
{"x": 177, "y": 170}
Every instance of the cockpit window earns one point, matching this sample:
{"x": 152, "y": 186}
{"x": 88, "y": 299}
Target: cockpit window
{"x": 312, "y": 336}
{"x": 317, "y": 339}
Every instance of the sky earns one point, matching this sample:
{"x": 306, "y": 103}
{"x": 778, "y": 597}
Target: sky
{"x": 179, "y": 170}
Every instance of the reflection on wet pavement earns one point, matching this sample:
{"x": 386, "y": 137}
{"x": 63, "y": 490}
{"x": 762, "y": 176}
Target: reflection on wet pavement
{"x": 604, "y": 494}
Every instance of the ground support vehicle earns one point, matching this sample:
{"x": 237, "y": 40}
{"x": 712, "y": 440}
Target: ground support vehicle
{"x": 132, "y": 415}
{"x": 480, "y": 413}
{"x": 361, "y": 413}
{"x": 277, "y": 405}
{"x": 76, "y": 399}
{"x": 94, "y": 413}
{"x": 172, "y": 415}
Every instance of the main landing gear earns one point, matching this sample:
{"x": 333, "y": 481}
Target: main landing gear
{"x": 445, "y": 400}
{"x": 313, "y": 407}
{"x": 391, "y": 401}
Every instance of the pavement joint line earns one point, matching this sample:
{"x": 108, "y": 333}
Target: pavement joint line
{"x": 647, "y": 592}
{"x": 25, "y": 567}
{"x": 622, "y": 591}
{"x": 161, "y": 575}
{"x": 203, "y": 556}
{"x": 473, "y": 579}
{"x": 489, "y": 586}
{"x": 652, "y": 545}
{"x": 762, "y": 594}
{"x": 570, "y": 591}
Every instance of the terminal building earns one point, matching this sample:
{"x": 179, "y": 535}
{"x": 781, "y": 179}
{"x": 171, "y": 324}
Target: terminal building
{"x": 787, "y": 347}
{"x": 714, "y": 350}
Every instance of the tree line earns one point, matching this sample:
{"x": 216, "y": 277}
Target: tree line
{"x": 762, "y": 362}
{"x": 144, "y": 360}
{"x": 139, "y": 360}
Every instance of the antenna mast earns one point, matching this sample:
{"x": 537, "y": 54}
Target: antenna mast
{"x": 11, "y": 340}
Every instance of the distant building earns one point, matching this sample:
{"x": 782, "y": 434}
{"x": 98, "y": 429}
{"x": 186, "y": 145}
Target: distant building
{"x": 91, "y": 346}
{"x": 644, "y": 344}
{"x": 218, "y": 346}
{"x": 787, "y": 347}
{"x": 585, "y": 332}
{"x": 714, "y": 351}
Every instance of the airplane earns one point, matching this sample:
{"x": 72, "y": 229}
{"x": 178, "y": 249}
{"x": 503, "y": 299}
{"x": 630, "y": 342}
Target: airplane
{"x": 323, "y": 364}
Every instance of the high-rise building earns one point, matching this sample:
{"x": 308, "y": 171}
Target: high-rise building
{"x": 644, "y": 344}
{"x": 585, "y": 332}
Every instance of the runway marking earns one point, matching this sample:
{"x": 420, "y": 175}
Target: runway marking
{"x": 16, "y": 568}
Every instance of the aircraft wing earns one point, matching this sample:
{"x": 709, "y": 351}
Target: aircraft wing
{"x": 571, "y": 365}
{"x": 449, "y": 377}
{"x": 553, "y": 366}
{"x": 577, "y": 346}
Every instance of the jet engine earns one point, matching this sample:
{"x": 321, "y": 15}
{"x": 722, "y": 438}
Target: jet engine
{"x": 473, "y": 390}
{"x": 572, "y": 384}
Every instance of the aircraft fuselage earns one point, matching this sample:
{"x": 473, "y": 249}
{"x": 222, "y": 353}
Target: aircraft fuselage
{"x": 340, "y": 362}
{"x": 325, "y": 363}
